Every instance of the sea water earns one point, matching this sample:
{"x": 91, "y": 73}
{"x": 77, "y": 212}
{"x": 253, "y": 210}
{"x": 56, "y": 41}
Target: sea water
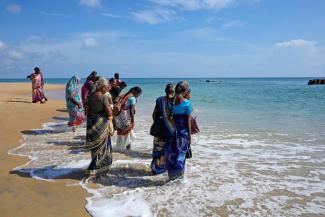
{"x": 261, "y": 152}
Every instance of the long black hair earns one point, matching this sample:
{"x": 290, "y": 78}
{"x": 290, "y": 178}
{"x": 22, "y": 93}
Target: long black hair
{"x": 92, "y": 76}
{"x": 134, "y": 90}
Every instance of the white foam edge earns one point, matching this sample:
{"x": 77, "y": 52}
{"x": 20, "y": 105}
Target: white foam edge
{"x": 99, "y": 206}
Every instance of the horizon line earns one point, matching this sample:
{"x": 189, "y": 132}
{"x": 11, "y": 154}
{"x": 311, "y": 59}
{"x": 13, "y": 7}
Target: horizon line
{"x": 180, "y": 77}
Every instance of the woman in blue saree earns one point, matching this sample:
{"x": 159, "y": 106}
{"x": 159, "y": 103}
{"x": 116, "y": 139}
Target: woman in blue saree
{"x": 73, "y": 100}
{"x": 162, "y": 116}
{"x": 178, "y": 146}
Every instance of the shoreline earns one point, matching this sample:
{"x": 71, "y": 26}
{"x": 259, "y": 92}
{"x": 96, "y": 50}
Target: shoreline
{"x": 254, "y": 170}
{"x": 22, "y": 195}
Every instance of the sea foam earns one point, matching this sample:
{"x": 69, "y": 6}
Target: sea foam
{"x": 231, "y": 173}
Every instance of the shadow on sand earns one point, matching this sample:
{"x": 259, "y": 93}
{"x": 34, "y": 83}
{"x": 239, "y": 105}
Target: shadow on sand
{"x": 50, "y": 172}
{"x": 62, "y": 110}
{"x": 41, "y": 132}
{"x": 120, "y": 177}
{"x": 128, "y": 177}
{"x": 19, "y": 101}
{"x": 135, "y": 154}
{"x": 60, "y": 118}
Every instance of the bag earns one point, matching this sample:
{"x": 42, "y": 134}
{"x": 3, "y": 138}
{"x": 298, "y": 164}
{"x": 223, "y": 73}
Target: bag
{"x": 119, "y": 106}
{"x": 194, "y": 127}
{"x": 121, "y": 121}
{"x": 158, "y": 128}
{"x": 194, "y": 130}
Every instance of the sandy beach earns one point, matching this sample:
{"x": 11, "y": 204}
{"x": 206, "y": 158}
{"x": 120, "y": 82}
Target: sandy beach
{"x": 24, "y": 196}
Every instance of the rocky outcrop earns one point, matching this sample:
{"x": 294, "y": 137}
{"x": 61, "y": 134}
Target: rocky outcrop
{"x": 316, "y": 81}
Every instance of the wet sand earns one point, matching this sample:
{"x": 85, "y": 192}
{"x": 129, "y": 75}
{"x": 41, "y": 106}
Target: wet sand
{"x": 21, "y": 195}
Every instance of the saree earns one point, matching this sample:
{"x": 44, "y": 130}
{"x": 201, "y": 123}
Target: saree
{"x": 125, "y": 133}
{"x": 98, "y": 141}
{"x": 37, "y": 88}
{"x": 177, "y": 148}
{"x": 85, "y": 92}
{"x": 158, "y": 163}
{"x": 76, "y": 114}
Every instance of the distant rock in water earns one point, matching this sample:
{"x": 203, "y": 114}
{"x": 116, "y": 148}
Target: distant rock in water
{"x": 210, "y": 81}
{"x": 316, "y": 81}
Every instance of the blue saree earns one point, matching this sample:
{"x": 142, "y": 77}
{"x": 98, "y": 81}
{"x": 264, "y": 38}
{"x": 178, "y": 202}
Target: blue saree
{"x": 158, "y": 163}
{"x": 178, "y": 146}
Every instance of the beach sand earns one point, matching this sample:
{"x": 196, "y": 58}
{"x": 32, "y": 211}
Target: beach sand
{"x": 21, "y": 195}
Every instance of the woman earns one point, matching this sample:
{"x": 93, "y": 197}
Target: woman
{"x": 37, "y": 86}
{"x": 99, "y": 128}
{"x": 124, "y": 122}
{"x": 74, "y": 106}
{"x": 87, "y": 86}
{"x": 178, "y": 146}
{"x": 162, "y": 116}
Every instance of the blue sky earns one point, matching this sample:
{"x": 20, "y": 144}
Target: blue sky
{"x": 163, "y": 38}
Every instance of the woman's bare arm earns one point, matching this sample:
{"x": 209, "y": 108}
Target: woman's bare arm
{"x": 109, "y": 111}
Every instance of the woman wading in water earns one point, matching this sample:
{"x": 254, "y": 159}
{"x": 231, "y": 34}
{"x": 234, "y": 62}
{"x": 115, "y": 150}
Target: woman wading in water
{"x": 162, "y": 129}
{"x": 178, "y": 146}
{"x": 99, "y": 128}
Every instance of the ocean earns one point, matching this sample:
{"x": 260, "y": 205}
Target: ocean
{"x": 261, "y": 152}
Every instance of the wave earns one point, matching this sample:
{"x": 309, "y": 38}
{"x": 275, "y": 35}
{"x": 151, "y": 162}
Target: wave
{"x": 231, "y": 173}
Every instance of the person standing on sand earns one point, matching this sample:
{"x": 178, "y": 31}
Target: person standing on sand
{"x": 37, "y": 86}
{"x": 117, "y": 86}
{"x": 178, "y": 146}
{"x": 162, "y": 129}
{"x": 73, "y": 100}
{"x": 124, "y": 121}
{"x": 87, "y": 86}
{"x": 99, "y": 128}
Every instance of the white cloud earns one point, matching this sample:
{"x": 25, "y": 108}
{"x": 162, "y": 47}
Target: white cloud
{"x": 135, "y": 56}
{"x": 52, "y": 14}
{"x": 232, "y": 24}
{"x": 196, "y": 4}
{"x": 2, "y": 45}
{"x": 90, "y": 42}
{"x": 105, "y": 14}
{"x": 14, "y": 8}
{"x": 154, "y": 17}
{"x": 91, "y": 3}
{"x": 202, "y": 34}
{"x": 15, "y": 54}
{"x": 298, "y": 43}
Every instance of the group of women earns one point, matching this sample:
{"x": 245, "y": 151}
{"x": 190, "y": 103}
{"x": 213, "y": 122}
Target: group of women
{"x": 95, "y": 106}
{"x": 171, "y": 114}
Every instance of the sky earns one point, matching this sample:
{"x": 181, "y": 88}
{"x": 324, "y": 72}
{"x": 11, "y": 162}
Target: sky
{"x": 163, "y": 38}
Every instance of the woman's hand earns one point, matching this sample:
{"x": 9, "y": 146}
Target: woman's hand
{"x": 131, "y": 126}
{"x": 110, "y": 128}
